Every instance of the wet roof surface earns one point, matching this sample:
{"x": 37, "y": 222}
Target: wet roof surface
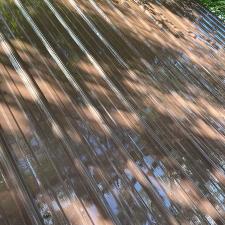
{"x": 111, "y": 112}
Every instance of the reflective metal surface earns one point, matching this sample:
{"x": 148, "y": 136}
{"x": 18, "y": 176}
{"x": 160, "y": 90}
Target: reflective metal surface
{"x": 111, "y": 112}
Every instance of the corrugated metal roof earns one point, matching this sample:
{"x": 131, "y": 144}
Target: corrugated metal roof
{"x": 112, "y": 112}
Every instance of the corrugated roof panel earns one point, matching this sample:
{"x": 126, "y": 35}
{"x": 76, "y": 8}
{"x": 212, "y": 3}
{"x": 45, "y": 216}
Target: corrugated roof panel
{"x": 112, "y": 112}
